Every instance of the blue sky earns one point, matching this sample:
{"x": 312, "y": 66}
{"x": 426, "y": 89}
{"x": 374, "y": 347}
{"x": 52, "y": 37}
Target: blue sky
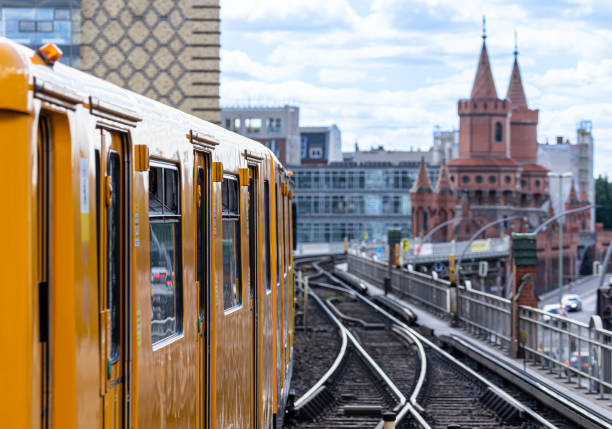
{"x": 388, "y": 71}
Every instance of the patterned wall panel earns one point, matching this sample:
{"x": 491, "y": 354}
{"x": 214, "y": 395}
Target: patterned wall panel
{"x": 165, "y": 49}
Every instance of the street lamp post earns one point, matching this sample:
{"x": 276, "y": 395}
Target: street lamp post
{"x": 560, "y": 176}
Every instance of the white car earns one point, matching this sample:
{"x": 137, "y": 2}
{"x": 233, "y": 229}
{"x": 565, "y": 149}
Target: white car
{"x": 554, "y": 309}
{"x": 571, "y": 302}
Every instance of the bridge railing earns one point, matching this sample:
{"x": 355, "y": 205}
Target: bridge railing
{"x": 432, "y": 293}
{"x": 485, "y": 315}
{"x": 573, "y": 350}
{"x": 570, "y": 349}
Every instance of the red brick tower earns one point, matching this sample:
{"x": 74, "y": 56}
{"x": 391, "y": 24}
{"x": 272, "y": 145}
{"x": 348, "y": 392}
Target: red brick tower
{"x": 421, "y": 197}
{"x": 524, "y": 121}
{"x": 484, "y": 119}
{"x": 446, "y": 204}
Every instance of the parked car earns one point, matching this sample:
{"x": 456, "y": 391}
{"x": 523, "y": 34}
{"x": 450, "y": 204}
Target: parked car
{"x": 578, "y": 361}
{"x": 554, "y": 309}
{"x": 571, "y": 302}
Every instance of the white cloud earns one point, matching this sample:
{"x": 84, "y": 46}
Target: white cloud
{"x": 343, "y": 76}
{"x": 388, "y": 74}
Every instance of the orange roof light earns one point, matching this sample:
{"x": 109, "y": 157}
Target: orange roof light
{"x": 50, "y": 53}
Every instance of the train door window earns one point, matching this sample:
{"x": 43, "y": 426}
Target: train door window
{"x": 202, "y": 241}
{"x": 232, "y": 285}
{"x": 266, "y": 232}
{"x": 114, "y": 267}
{"x": 279, "y": 258}
{"x": 253, "y": 229}
{"x": 166, "y": 271}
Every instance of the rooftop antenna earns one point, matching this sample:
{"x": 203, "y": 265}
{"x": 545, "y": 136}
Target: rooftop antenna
{"x": 515, "y": 45}
{"x": 484, "y": 28}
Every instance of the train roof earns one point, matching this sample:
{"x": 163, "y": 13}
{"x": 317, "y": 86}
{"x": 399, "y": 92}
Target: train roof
{"x": 20, "y": 65}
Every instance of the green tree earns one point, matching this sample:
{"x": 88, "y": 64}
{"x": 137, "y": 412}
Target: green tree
{"x": 603, "y": 200}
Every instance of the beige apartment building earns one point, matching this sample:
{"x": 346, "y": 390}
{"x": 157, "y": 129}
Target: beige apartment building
{"x": 167, "y": 50}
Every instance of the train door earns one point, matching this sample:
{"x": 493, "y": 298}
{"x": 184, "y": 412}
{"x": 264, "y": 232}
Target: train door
{"x": 44, "y": 220}
{"x": 202, "y": 199}
{"x": 253, "y": 223}
{"x": 112, "y": 285}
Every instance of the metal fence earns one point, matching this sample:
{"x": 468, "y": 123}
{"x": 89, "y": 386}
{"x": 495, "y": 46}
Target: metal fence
{"x": 572, "y": 350}
{"x": 575, "y": 351}
{"x": 432, "y": 293}
{"x": 485, "y": 315}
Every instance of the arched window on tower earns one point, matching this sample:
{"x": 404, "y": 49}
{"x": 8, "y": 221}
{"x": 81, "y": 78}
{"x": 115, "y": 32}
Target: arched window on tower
{"x": 498, "y": 132}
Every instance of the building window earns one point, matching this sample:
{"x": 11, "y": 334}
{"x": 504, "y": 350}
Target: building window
{"x": 44, "y": 26}
{"x": 537, "y": 183}
{"x": 524, "y": 183}
{"x": 507, "y": 179}
{"x": 62, "y": 14}
{"x": 303, "y": 146}
{"x": 452, "y": 178}
{"x": 492, "y": 179}
{"x": 315, "y": 152}
{"x": 253, "y": 125}
{"x": 232, "y": 284}
{"x": 274, "y": 147}
{"x": 498, "y": 132}
{"x": 479, "y": 179}
{"x": 273, "y": 125}
{"x": 165, "y": 251}
{"x": 27, "y": 26}
{"x": 465, "y": 179}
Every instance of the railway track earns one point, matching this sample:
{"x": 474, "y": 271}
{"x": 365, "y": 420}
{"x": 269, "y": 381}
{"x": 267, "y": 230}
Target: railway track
{"x": 435, "y": 389}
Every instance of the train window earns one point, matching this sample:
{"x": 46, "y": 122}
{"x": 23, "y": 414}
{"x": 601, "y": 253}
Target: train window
{"x": 279, "y": 258}
{"x": 267, "y": 249}
{"x": 165, "y": 230}
{"x": 232, "y": 284}
{"x": 253, "y": 232}
{"x": 285, "y": 244}
{"x": 114, "y": 271}
{"x": 202, "y": 241}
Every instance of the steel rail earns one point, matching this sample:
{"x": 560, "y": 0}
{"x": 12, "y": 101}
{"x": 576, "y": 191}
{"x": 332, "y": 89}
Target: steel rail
{"x": 548, "y": 391}
{"x": 308, "y": 395}
{"x": 404, "y": 405}
{"x": 500, "y": 392}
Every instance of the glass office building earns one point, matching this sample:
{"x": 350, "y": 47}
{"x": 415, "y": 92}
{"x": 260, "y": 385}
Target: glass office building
{"x": 36, "y": 22}
{"x": 346, "y": 199}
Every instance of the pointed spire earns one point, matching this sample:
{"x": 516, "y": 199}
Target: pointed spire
{"x": 516, "y": 93}
{"x": 484, "y": 87}
{"x": 584, "y": 197}
{"x": 572, "y": 198}
{"x": 484, "y": 27}
{"x": 422, "y": 183}
{"x": 551, "y": 210}
{"x": 444, "y": 184}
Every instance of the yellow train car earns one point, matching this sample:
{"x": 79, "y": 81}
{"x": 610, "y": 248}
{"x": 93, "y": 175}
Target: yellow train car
{"x": 147, "y": 260}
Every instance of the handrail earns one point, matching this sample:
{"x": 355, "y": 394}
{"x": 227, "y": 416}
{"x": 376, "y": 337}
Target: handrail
{"x": 438, "y": 227}
{"x": 565, "y": 213}
{"x": 481, "y": 230}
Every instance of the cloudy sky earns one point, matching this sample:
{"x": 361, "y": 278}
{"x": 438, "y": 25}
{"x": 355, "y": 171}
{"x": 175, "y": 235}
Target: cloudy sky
{"x": 388, "y": 71}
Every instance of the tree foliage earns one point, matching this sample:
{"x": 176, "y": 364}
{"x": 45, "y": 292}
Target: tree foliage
{"x": 603, "y": 200}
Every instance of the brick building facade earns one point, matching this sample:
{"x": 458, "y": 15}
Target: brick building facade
{"x": 497, "y": 176}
